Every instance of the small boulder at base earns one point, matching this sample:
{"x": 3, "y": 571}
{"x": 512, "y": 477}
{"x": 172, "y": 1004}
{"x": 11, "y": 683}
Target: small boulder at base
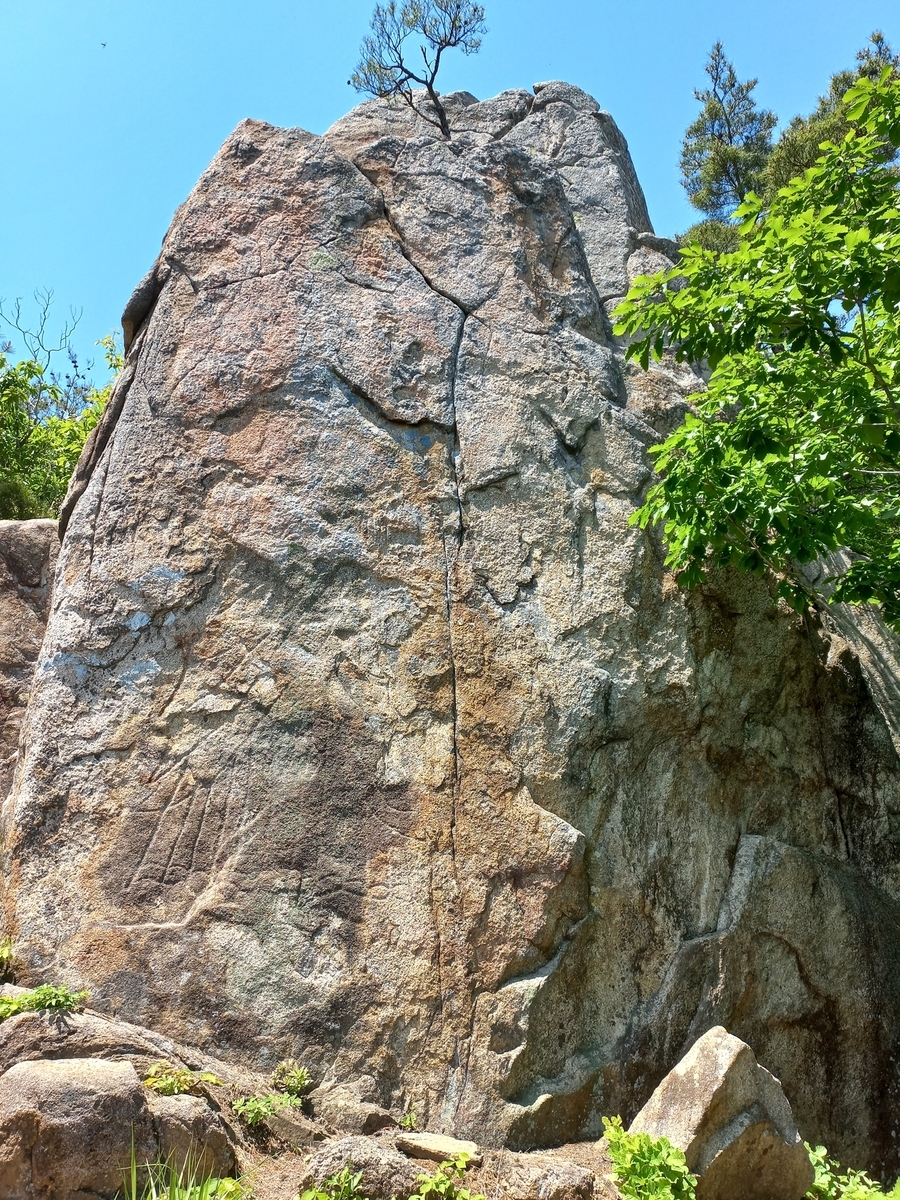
{"x": 350, "y": 1108}
{"x": 436, "y": 1146}
{"x": 294, "y": 1128}
{"x": 191, "y": 1135}
{"x": 66, "y": 1129}
{"x": 385, "y": 1172}
{"x": 733, "y": 1122}
{"x": 541, "y": 1177}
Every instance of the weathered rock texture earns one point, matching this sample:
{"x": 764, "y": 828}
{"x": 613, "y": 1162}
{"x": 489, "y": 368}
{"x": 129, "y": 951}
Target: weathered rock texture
{"x": 69, "y": 1129}
{"x": 733, "y": 1122}
{"x": 367, "y": 730}
{"x": 386, "y": 1173}
{"x": 28, "y": 551}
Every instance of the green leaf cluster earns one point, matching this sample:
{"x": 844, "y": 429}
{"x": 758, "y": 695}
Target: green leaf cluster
{"x": 345, "y": 1185}
{"x": 45, "y": 998}
{"x": 445, "y": 1183}
{"x": 798, "y": 144}
{"x": 833, "y": 1183}
{"x": 793, "y": 449}
{"x": 169, "y": 1080}
{"x": 254, "y": 1109}
{"x": 289, "y": 1076}
{"x": 166, "y": 1181}
{"x": 728, "y": 150}
{"x": 647, "y": 1168}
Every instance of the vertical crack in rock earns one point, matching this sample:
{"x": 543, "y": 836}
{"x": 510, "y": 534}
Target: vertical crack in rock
{"x": 449, "y": 569}
{"x": 454, "y": 451}
{"x": 101, "y": 434}
{"x": 389, "y": 217}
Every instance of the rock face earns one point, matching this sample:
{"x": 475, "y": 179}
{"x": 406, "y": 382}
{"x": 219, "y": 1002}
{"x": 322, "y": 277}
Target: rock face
{"x": 733, "y": 1122}
{"x": 366, "y": 730}
{"x": 28, "y": 551}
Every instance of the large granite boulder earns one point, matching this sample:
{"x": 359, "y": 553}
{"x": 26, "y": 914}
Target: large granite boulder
{"x": 68, "y": 1129}
{"x": 368, "y": 731}
{"x": 733, "y": 1122}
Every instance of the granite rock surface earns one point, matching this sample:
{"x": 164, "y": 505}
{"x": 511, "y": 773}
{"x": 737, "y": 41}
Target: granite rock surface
{"x": 733, "y": 1122}
{"x": 28, "y": 551}
{"x": 367, "y": 730}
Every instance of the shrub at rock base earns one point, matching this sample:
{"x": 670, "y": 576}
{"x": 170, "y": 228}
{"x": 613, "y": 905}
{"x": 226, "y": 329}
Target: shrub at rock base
{"x": 647, "y": 1168}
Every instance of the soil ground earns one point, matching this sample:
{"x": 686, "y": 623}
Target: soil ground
{"x": 278, "y": 1176}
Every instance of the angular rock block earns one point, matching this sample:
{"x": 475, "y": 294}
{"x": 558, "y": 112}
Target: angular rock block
{"x": 437, "y": 1147}
{"x": 190, "y": 1136}
{"x": 732, "y": 1120}
{"x": 540, "y": 1177}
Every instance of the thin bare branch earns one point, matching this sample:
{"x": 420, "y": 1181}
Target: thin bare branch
{"x": 443, "y": 24}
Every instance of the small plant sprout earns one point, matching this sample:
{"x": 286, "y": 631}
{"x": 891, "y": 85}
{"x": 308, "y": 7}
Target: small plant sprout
{"x": 290, "y": 1077}
{"x": 254, "y": 1109}
{"x": 45, "y": 998}
{"x": 444, "y": 1184}
{"x": 342, "y": 1186}
{"x": 408, "y": 1121}
{"x": 168, "y": 1080}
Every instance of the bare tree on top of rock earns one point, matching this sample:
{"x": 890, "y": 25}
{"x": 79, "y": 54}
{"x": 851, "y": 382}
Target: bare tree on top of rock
{"x": 443, "y": 24}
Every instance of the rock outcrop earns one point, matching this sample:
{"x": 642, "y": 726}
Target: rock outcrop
{"x": 367, "y": 730}
{"x": 28, "y": 551}
{"x": 732, "y": 1121}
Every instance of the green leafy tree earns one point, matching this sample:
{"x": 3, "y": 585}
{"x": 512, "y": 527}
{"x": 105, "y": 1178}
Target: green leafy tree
{"x": 793, "y": 449}
{"x": 798, "y": 146}
{"x": 45, "y": 418}
{"x": 725, "y": 150}
{"x": 441, "y": 25}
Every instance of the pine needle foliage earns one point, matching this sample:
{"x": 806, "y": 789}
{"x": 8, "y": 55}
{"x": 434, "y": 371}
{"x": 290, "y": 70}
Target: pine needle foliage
{"x": 725, "y": 150}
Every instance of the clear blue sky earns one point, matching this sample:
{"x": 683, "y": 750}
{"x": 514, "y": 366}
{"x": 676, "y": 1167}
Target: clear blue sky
{"x": 100, "y": 144}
